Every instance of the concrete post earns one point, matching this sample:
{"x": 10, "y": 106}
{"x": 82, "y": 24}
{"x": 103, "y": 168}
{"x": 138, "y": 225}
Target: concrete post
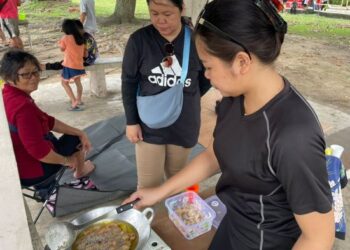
{"x": 14, "y": 231}
{"x": 98, "y": 85}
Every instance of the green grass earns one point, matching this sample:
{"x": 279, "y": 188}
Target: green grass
{"x": 311, "y": 25}
{"x": 308, "y": 25}
{"x": 43, "y": 10}
{"x": 106, "y": 7}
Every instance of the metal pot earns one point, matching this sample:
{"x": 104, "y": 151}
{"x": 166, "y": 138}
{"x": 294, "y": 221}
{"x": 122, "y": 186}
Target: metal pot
{"x": 140, "y": 220}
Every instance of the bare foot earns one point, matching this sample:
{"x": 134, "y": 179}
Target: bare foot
{"x": 88, "y": 168}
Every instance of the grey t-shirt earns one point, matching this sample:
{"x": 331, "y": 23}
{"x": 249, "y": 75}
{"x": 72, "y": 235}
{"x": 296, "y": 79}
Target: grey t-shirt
{"x": 88, "y": 7}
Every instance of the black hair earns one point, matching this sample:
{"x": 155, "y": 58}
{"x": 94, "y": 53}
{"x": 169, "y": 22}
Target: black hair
{"x": 69, "y": 27}
{"x": 78, "y": 23}
{"x": 12, "y": 61}
{"x": 177, "y": 3}
{"x": 245, "y": 22}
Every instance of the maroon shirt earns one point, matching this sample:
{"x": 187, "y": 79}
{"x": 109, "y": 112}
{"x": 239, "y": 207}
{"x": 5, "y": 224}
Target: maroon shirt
{"x": 32, "y": 125}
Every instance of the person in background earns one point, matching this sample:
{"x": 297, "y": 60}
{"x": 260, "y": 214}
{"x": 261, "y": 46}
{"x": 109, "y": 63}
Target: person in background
{"x": 87, "y": 16}
{"x": 324, "y": 5}
{"x": 9, "y": 17}
{"x": 318, "y": 4}
{"x": 90, "y": 45}
{"x": 152, "y": 64}
{"x": 268, "y": 142}
{"x": 38, "y": 152}
{"x": 73, "y": 46}
{"x": 293, "y": 9}
{"x": 91, "y": 48}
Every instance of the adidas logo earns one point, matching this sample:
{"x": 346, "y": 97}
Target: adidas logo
{"x": 168, "y": 76}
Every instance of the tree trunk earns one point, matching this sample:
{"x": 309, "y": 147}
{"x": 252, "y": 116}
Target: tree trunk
{"x": 124, "y": 11}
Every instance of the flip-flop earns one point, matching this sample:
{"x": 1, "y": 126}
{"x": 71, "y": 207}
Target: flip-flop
{"x": 81, "y": 104}
{"x": 87, "y": 170}
{"x": 76, "y": 108}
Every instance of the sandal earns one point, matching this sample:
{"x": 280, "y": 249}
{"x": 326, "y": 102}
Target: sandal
{"x": 89, "y": 167}
{"x": 76, "y": 108}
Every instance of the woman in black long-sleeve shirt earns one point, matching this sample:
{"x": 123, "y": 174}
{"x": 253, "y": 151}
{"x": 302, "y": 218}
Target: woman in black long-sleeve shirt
{"x": 161, "y": 151}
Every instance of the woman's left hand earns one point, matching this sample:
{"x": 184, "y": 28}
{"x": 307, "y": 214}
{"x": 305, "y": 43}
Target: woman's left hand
{"x": 85, "y": 142}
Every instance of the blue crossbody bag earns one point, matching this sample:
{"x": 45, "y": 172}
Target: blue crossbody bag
{"x": 163, "y": 109}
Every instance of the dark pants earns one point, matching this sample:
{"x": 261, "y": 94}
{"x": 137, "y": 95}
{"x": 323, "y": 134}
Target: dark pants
{"x": 66, "y": 145}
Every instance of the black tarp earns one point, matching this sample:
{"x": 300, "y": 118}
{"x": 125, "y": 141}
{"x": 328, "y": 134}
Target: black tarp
{"x": 115, "y": 174}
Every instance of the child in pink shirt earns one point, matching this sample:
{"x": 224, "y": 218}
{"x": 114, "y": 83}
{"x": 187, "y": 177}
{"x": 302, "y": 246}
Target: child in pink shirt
{"x": 72, "y": 45}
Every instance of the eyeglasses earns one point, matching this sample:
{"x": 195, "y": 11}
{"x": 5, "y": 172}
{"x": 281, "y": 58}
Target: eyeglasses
{"x": 221, "y": 33}
{"x": 271, "y": 9}
{"x": 29, "y": 75}
{"x": 168, "y": 60}
{"x": 216, "y": 30}
{"x": 268, "y": 9}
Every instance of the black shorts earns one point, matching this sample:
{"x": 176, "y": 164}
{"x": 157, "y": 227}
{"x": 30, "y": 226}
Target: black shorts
{"x": 66, "y": 145}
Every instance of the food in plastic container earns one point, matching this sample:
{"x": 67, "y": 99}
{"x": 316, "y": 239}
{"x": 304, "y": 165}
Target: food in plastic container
{"x": 190, "y": 214}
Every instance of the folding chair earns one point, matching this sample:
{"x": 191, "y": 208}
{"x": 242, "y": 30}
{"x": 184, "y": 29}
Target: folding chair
{"x": 42, "y": 191}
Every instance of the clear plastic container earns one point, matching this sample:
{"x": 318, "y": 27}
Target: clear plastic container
{"x": 220, "y": 209}
{"x": 190, "y": 214}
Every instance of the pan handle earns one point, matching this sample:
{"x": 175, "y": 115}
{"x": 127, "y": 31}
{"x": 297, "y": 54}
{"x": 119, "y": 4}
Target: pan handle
{"x": 127, "y": 206}
{"x": 148, "y": 211}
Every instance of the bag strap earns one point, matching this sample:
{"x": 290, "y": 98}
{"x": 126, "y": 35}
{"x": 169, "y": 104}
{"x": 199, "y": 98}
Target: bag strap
{"x": 185, "y": 54}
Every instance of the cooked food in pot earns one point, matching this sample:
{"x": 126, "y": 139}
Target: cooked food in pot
{"x": 190, "y": 214}
{"x": 111, "y": 235}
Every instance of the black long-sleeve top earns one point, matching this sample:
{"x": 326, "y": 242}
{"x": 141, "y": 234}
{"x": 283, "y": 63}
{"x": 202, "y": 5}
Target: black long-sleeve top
{"x": 142, "y": 71}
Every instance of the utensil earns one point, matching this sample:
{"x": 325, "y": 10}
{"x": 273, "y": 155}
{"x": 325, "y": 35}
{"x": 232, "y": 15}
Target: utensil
{"x": 61, "y": 235}
{"x": 140, "y": 220}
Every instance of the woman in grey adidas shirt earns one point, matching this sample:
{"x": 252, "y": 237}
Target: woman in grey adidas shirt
{"x": 268, "y": 142}
{"x": 152, "y": 64}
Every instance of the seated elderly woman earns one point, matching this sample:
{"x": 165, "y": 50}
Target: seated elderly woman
{"x": 39, "y": 153}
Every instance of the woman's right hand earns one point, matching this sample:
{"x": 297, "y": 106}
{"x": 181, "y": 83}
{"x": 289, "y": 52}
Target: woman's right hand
{"x": 147, "y": 196}
{"x": 134, "y": 133}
